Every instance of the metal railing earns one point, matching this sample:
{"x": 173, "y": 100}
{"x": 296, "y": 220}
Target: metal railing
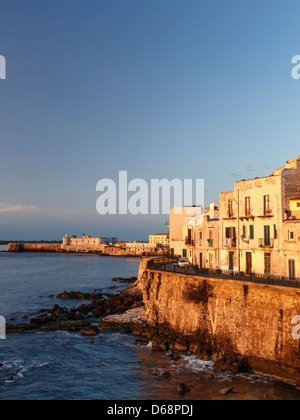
{"x": 230, "y": 242}
{"x": 170, "y": 265}
{"x": 266, "y": 243}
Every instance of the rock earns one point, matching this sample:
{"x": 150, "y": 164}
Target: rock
{"x": 232, "y": 363}
{"x": 166, "y": 374}
{"x": 121, "y": 280}
{"x": 182, "y": 388}
{"x": 156, "y": 372}
{"x": 90, "y": 331}
{"x": 40, "y": 320}
{"x": 141, "y": 342}
{"x": 226, "y": 391}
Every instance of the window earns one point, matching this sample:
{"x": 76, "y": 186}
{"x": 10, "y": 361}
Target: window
{"x": 247, "y": 206}
{"x": 292, "y": 269}
{"x": 291, "y": 235}
{"x": 184, "y": 253}
{"x": 211, "y": 238}
{"x": 230, "y": 233}
{"x": 267, "y": 209}
{"x": 251, "y": 231}
{"x": 267, "y": 235}
{"x": 244, "y": 231}
{"x": 201, "y": 238}
{"x": 230, "y": 208}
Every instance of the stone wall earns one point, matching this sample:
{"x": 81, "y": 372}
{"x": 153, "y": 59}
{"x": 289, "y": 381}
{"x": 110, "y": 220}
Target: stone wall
{"x": 220, "y": 317}
{"x": 34, "y": 247}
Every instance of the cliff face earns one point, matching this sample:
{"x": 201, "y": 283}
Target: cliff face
{"x": 219, "y": 317}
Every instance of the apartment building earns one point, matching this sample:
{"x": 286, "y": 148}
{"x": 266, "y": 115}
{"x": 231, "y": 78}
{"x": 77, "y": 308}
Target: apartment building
{"x": 255, "y": 229}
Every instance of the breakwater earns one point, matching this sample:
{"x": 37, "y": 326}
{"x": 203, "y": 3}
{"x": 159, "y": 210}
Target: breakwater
{"x": 229, "y": 322}
{"x": 102, "y": 249}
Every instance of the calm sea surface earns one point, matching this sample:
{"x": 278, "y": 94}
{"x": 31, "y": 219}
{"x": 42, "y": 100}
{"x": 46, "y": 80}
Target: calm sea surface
{"x": 64, "y": 365}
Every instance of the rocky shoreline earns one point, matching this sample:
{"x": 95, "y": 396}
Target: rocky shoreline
{"x": 85, "y": 318}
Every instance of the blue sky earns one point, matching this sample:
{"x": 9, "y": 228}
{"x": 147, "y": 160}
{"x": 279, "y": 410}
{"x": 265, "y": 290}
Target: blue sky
{"x": 160, "y": 88}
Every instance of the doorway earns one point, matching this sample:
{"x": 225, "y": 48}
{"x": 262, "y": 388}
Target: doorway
{"x": 231, "y": 260}
{"x": 248, "y": 262}
{"x": 267, "y": 263}
{"x": 292, "y": 269}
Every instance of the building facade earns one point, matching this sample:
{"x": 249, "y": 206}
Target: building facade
{"x": 255, "y": 229}
{"x": 160, "y": 240}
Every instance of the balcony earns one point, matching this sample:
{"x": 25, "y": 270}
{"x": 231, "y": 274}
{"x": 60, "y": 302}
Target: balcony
{"x": 230, "y": 242}
{"x": 266, "y": 243}
{"x": 189, "y": 242}
{"x": 292, "y": 215}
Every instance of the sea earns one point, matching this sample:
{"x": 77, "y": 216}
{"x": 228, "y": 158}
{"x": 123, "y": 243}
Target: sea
{"x": 68, "y": 366}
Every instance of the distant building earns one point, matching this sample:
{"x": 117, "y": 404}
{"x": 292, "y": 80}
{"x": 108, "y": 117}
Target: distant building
{"x": 201, "y": 237}
{"x": 86, "y": 242}
{"x": 160, "y": 240}
{"x": 178, "y": 216}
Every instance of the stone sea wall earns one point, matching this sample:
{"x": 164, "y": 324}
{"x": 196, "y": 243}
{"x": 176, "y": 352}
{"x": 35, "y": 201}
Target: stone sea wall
{"x": 23, "y": 247}
{"x": 97, "y": 249}
{"x": 215, "y": 318}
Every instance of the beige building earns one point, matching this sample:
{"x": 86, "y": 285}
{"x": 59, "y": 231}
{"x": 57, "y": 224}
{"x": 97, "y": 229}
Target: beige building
{"x": 160, "y": 240}
{"x": 254, "y": 230}
{"x": 201, "y": 234}
{"x": 255, "y": 219}
{"x": 178, "y": 216}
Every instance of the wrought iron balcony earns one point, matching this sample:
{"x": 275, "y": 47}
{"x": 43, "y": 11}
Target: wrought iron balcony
{"x": 266, "y": 243}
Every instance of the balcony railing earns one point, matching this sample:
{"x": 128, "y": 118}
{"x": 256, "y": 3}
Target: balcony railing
{"x": 293, "y": 215}
{"x": 230, "y": 242}
{"x": 266, "y": 243}
{"x": 189, "y": 242}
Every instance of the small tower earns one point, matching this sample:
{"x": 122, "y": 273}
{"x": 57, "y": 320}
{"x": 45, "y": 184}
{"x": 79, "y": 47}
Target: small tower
{"x": 66, "y": 240}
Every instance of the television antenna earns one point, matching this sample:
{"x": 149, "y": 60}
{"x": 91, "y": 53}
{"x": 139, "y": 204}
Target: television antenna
{"x": 249, "y": 169}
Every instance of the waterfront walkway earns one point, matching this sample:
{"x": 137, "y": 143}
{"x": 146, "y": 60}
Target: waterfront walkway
{"x": 170, "y": 265}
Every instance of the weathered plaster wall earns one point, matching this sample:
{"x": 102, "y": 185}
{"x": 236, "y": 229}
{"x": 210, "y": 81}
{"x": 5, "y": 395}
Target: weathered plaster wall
{"x": 228, "y": 317}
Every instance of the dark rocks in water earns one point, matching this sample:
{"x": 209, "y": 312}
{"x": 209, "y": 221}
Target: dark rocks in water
{"x": 90, "y": 331}
{"x": 76, "y": 319}
{"x": 141, "y": 342}
{"x": 156, "y": 372}
{"x": 232, "y": 363}
{"x": 161, "y": 373}
{"x": 183, "y": 389}
{"x": 40, "y": 320}
{"x": 122, "y": 280}
{"x": 73, "y": 296}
